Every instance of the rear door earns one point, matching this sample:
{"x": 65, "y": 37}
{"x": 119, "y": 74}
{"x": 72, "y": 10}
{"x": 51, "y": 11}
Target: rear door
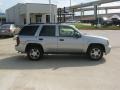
{"x": 47, "y": 38}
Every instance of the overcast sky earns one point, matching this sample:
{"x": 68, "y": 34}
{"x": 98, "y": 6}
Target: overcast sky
{"x": 4, "y": 4}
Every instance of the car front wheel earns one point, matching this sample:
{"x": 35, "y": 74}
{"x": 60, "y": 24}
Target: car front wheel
{"x": 95, "y": 52}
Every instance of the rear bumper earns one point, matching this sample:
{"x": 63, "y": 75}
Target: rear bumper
{"x": 107, "y": 49}
{"x": 20, "y": 48}
{"x": 5, "y": 34}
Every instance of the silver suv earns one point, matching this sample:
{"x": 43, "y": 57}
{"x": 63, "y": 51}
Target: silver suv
{"x": 39, "y": 39}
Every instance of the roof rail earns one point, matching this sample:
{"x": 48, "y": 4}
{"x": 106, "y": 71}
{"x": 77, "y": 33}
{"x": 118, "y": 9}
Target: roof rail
{"x": 44, "y": 23}
{"x": 36, "y": 23}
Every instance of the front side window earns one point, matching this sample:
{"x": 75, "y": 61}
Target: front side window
{"x": 28, "y": 30}
{"x": 66, "y": 31}
{"x": 47, "y": 30}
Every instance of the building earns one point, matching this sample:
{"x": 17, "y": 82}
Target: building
{"x": 2, "y": 18}
{"x": 27, "y": 13}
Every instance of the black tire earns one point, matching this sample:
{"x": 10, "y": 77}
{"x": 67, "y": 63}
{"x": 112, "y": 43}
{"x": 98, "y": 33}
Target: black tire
{"x": 34, "y": 53}
{"x": 95, "y": 53}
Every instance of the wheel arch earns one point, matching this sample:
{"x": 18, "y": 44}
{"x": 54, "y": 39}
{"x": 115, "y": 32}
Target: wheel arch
{"x": 33, "y": 45}
{"x": 96, "y": 44}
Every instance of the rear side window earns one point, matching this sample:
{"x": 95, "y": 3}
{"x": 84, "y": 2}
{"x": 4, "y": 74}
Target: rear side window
{"x": 48, "y": 30}
{"x": 28, "y": 30}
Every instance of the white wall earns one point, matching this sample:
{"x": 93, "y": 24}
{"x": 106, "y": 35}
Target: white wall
{"x": 43, "y": 9}
{"x": 13, "y": 14}
{"x": 16, "y": 13}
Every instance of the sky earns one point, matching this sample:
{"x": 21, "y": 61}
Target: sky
{"x": 5, "y": 4}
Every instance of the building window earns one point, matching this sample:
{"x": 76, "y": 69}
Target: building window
{"x": 38, "y": 18}
{"x": 24, "y": 20}
{"x": 47, "y": 18}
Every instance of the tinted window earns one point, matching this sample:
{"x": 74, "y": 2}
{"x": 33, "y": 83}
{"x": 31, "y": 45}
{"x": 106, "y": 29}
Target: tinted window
{"x": 48, "y": 30}
{"x": 66, "y": 31}
{"x": 28, "y": 30}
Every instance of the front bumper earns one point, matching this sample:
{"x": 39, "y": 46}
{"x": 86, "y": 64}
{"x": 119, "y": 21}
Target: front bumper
{"x": 107, "y": 49}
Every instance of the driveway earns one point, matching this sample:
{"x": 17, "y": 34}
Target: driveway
{"x": 60, "y": 72}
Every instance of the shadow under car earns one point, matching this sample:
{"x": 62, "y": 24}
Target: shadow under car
{"x": 47, "y": 62}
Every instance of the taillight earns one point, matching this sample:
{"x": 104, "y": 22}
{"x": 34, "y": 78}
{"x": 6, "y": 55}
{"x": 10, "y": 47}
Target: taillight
{"x": 18, "y": 41}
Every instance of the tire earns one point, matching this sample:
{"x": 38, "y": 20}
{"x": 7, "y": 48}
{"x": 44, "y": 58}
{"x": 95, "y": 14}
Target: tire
{"x": 34, "y": 53}
{"x": 95, "y": 53}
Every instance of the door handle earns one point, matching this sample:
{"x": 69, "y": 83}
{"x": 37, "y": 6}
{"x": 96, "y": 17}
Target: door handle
{"x": 41, "y": 39}
{"x": 61, "y": 39}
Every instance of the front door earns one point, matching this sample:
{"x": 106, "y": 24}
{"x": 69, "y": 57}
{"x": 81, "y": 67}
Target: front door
{"x": 67, "y": 42}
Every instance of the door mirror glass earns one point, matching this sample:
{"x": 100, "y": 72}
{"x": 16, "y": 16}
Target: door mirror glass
{"x": 77, "y": 35}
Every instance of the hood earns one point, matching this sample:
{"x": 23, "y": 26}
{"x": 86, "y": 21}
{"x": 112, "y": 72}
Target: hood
{"x": 96, "y": 37}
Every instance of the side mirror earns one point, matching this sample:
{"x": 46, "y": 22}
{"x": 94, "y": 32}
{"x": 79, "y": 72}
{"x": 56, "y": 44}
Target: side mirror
{"x": 77, "y": 35}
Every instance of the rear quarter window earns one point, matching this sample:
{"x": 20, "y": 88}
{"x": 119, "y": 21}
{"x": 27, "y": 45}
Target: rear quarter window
{"x": 29, "y": 30}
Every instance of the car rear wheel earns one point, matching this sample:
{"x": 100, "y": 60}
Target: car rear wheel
{"x": 95, "y": 52}
{"x": 34, "y": 53}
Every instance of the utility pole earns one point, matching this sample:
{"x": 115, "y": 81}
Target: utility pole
{"x": 70, "y": 9}
{"x": 98, "y": 17}
{"x": 0, "y": 18}
{"x": 70, "y": 3}
{"x": 50, "y": 11}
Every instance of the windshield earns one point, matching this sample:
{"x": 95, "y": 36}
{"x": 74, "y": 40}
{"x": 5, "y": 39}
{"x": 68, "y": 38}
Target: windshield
{"x": 76, "y": 29}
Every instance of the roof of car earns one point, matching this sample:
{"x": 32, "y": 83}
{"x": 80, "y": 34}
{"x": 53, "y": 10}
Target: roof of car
{"x": 47, "y": 24}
